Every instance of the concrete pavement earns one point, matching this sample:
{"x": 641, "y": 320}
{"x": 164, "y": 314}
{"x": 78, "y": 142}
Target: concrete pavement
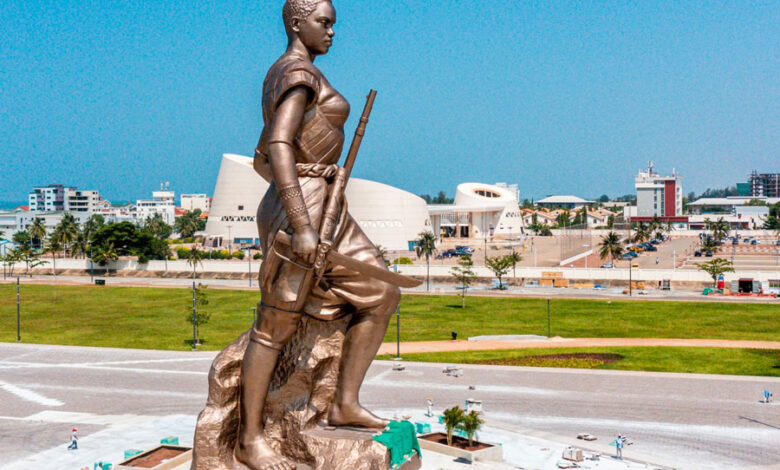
{"x": 692, "y": 421}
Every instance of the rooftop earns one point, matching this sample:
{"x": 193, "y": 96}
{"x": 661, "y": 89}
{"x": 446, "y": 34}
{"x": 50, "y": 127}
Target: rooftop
{"x": 565, "y": 199}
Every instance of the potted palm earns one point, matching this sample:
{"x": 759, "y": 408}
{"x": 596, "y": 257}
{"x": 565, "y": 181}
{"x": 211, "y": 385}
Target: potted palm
{"x": 452, "y": 418}
{"x": 470, "y": 424}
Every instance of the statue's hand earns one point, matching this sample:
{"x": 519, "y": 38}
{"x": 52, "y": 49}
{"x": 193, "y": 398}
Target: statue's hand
{"x": 304, "y": 243}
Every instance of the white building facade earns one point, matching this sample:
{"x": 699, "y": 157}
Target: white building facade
{"x": 190, "y": 202}
{"x": 389, "y": 216}
{"x": 658, "y": 196}
{"x": 480, "y": 211}
{"x": 162, "y": 203}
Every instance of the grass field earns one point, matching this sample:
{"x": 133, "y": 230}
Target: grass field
{"x": 154, "y": 318}
{"x": 656, "y": 359}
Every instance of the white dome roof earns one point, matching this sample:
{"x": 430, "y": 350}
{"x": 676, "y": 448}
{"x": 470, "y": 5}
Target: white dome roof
{"x": 479, "y": 194}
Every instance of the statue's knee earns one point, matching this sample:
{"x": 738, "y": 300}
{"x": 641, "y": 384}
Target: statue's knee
{"x": 274, "y": 327}
{"x": 391, "y": 297}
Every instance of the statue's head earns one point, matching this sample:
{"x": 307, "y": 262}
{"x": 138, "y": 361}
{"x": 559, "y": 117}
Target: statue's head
{"x": 312, "y": 22}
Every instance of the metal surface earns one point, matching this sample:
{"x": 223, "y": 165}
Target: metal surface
{"x": 298, "y": 150}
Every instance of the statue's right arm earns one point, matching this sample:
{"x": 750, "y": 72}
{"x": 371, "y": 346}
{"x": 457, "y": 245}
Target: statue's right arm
{"x": 283, "y": 129}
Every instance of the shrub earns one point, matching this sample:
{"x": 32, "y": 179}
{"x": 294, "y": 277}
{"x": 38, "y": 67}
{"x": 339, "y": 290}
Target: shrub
{"x": 402, "y": 260}
{"x": 182, "y": 252}
{"x": 257, "y": 256}
{"x": 238, "y": 255}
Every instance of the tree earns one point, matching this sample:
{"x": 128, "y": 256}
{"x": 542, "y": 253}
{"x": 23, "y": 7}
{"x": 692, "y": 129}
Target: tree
{"x": 563, "y": 219}
{"x": 383, "y": 253}
{"x": 500, "y": 266}
{"x": 604, "y": 198}
{"x": 709, "y": 244}
{"x": 156, "y": 226}
{"x": 755, "y": 202}
{"x": 31, "y": 259}
{"x": 611, "y": 246}
{"x": 22, "y": 240}
{"x": 452, "y": 417}
{"x": 53, "y": 247}
{"x": 716, "y": 267}
{"x": 37, "y": 232}
{"x": 202, "y": 316}
{"x": 464, "y": 275}
{"x": 471, "y": 423}
{"x": 641, "y": 233}
{"x": 67, "y": 231}
{"x": 103, "y": 254}
{"x": 426, "y": 246}
{"x": 194, "y": 257}
{"x": 189, "y": 223}
{"x": 514, "y": 258}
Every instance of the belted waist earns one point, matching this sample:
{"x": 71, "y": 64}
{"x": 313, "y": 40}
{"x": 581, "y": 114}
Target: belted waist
{"x": 317, "y": 170}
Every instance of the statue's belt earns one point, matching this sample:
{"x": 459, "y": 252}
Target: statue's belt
{"x": 336, "y": 258}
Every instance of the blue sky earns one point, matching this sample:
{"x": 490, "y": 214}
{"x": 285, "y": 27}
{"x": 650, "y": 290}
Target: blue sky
{"x": 559, "y": 97}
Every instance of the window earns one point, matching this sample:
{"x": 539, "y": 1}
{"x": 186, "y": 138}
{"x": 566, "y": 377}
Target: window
{"x": 240, "y": 208}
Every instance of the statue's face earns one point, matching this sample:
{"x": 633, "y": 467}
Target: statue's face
{"x": 316, "y": 31}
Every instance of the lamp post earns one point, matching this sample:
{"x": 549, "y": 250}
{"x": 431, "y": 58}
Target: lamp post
{"x": 630, "y": 263}
{"x": 398, "y": 332}
{"x": 194, "y": 333}
{"x": 18, "y": 313}
{"x": 230, "y": 240}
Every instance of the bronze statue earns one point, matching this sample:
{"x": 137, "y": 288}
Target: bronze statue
{"x": 318, "y": 260}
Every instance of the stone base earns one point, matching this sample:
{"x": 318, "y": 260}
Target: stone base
{"x": 298, "y": 402}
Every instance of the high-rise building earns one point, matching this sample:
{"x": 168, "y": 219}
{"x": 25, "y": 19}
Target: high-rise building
{"x": 764, "y": 184}
{"x": 82, "y": 201}
{"x": 658, "y": 196}
{"x": 50, "y": 198}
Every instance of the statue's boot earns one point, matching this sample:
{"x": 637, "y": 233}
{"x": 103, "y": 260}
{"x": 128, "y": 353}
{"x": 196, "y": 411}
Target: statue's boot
{"x": 362, "y": 341}
{"x": 273, "y": 330}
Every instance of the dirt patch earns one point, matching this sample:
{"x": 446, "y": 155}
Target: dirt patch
{"x": 156, "y": 457}
{"x": 457, "y": 441}
{"x": 574, "y": 360}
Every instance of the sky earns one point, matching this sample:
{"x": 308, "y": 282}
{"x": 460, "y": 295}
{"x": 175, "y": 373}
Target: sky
{"x": 560, "y": 97}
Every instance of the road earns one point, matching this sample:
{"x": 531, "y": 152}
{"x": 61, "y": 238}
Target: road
{"x": 691, "y": 420}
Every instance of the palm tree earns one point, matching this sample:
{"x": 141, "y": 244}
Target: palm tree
{"x": 102, "y": 255}
{"x": 513, "y": 258}
{"x": 67, "y": 230}
{"x": 642, "y": 233}
{"x": 452, "y": 417}
{"x": 195, "y": 257}
{"x": 610, "y": 246}
{"x": 383, "y": 253}
{"x": 471, "y": 424}
{"x": 426, "y": 246}
{"x": 53, "y": 247}
{"x": 37, "y": 232}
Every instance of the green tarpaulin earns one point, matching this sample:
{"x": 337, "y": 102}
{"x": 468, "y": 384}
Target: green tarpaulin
{"x": 400, "y": 439}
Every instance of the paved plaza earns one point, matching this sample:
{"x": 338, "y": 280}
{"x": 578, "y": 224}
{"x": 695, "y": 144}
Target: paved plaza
{"x": 132, "y": 398}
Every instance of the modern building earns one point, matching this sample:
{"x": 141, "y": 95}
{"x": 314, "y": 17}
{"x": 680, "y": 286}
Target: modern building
{"x": 389, "y": 216}
{"x": 162, "y": 203}
{"x": 480, "y": 211}
{"x": 726, "y": 205}
{"x": 764, "y": 184}
{"x": 190, "y": 202}
{"x": 48, "y": 198}
{"x": 83, "y": 201}
{"x": 564, "y": 202}
{"x": 658, "y": 196}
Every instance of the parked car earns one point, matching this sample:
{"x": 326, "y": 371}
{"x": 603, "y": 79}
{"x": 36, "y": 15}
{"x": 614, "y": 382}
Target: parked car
{"x": 754, "y": 242}
{"x": 608, "y": 266}
{"x": 464, "y": 250}
{"x": 777, "y": 243}
{"x": 649, "y": 247}
{"x": 627, "y": 255}
{"x": 448, "y": 253}
{"x": 734, "y": 241}
{"x": 655, "y": 241}
{"x": 697, "y": 253}
{"x": 708, "y": 254}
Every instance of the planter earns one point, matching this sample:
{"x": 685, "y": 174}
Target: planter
{"x": 162, "y": 457}
{"x": 480, "y": 451}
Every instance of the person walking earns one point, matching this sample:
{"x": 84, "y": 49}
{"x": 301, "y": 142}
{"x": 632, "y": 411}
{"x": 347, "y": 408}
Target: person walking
{"x": 74, "y": 440}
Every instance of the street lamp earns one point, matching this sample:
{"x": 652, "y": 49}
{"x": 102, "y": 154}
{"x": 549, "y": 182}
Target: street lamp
{"x": 248, "y": 254}
{"x": 230, "y": 240}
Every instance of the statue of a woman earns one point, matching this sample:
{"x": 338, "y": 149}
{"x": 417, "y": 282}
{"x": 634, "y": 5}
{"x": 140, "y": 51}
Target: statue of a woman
{"x": 299, "y": 147}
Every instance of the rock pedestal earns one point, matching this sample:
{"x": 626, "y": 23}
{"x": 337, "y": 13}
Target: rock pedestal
{"x": 300, "y": 395}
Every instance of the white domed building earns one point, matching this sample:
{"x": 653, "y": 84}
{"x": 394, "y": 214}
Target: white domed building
{"x": 389, "y": 216}
{"x": 479, "y": 211}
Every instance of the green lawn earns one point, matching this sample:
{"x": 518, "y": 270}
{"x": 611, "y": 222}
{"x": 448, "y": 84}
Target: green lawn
{"x": 155, "y": 317}
{"x": 657, "y": 359}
